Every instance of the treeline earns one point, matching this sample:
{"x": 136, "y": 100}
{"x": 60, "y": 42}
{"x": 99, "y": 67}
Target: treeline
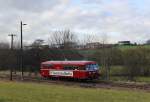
{"x": 134, "y": 62}
{"x": 33, "y": 57}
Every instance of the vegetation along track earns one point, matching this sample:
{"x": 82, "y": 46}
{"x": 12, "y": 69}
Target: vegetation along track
{"x": 85, "y": 84}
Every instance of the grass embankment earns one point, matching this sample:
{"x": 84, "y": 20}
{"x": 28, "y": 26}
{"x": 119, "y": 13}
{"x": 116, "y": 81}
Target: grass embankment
{"x": 121, "y": 47}
{"x": 29, "y": 92}
{"x": 126, "y": 47}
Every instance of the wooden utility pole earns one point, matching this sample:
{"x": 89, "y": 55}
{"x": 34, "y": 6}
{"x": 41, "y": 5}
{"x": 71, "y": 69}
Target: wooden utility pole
{"x": 12, "y": 42}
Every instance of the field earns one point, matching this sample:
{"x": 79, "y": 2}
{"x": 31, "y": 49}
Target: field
{"x": 30, "y": 92}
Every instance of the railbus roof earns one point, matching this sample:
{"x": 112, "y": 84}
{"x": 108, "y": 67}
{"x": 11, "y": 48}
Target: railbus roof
{"x": 69, "y": 62}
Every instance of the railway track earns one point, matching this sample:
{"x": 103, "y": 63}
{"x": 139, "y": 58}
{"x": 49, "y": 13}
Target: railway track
{"x": 86, "y": 84}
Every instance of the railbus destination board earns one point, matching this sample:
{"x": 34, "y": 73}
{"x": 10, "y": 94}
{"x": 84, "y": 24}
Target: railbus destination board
{"x": 61, "y": 73}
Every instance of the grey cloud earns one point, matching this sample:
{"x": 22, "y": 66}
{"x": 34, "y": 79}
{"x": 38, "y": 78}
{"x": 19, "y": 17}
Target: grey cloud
{"x": 28, "y": 5}
{"x": 118, "y": 18}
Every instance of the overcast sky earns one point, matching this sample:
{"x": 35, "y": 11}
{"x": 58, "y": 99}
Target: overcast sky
{"x": 119, "y": 19}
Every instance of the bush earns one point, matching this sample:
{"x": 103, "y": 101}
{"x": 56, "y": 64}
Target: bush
{"x": 135, "y": 61}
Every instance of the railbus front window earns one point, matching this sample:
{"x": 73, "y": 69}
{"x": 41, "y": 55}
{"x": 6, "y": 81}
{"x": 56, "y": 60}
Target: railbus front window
{"x": 92, "y": 67}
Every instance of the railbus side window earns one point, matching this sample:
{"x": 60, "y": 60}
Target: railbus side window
{"x": 76, "y": 68}
{"x": 67, "y": 67}
{"x": 46, "y": 65}
{"x": 70, "y": 68}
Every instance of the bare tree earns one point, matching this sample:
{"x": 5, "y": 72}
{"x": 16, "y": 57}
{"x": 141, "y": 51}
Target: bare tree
{"x": 4, "y": 45}
{"x": 148, "y": 42}
{"x": 90, "y": 38}
{"x": 62, "y": 39}
{"x": 37, "y": 43}
{"x": 106, "y": 55}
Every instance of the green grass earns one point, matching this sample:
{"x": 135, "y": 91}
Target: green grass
{"x": 126, "y": 47}
{"x": 29, "y": 92}
{"x": 140, "y": 79}
{"x": 116, "y": 70}
{"x": 143, "y": 79}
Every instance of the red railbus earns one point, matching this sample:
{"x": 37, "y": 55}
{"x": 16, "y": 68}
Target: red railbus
{"x": 70, "y": 69}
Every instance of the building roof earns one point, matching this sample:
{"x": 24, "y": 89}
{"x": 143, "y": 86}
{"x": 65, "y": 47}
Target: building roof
{"x": 123, "y": 41}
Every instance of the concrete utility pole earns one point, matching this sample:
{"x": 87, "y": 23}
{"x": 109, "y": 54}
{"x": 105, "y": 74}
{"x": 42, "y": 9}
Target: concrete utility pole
{"x": 21, "y": 50}
{"x": 12, "y": 42}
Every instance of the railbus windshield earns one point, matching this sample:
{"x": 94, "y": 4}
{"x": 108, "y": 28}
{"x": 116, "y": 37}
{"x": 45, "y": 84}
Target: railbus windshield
{"x": 92, "y": 67}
